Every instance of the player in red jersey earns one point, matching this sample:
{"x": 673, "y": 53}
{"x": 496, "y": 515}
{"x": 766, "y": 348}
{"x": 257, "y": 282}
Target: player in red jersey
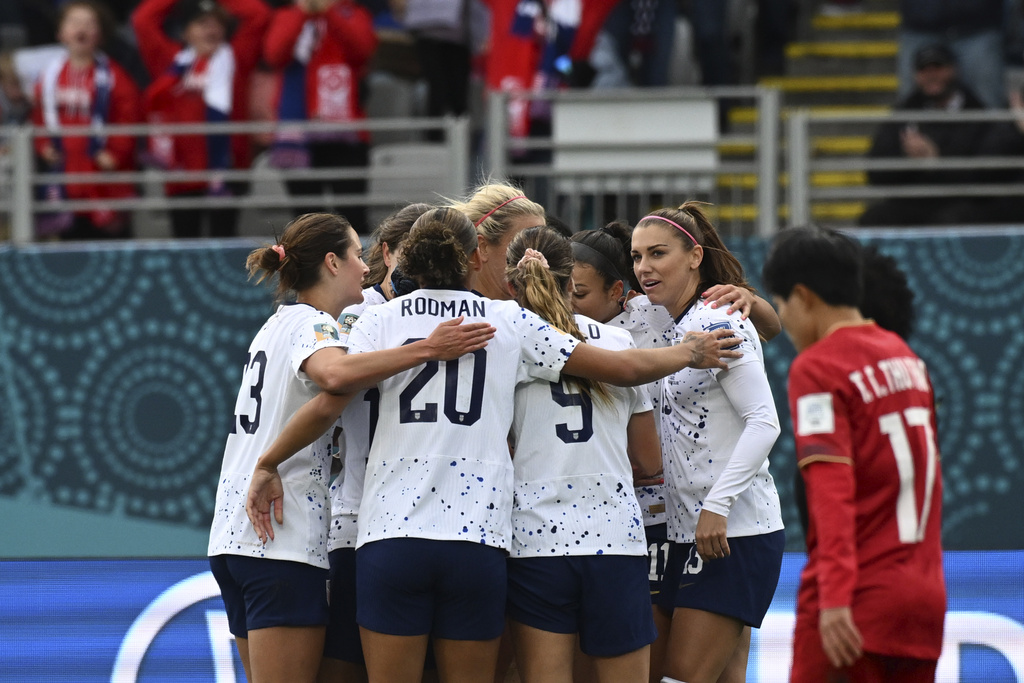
{"x": 872, "y": 597}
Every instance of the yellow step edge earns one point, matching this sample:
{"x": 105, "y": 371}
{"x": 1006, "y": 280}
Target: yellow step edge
{"x": 838, "y": 211}
{"x": 826, "y": 144}
{"x": 834, "y": 211}
{"x": 841, "y": 144}
{"x": 844, "y": 50}
{"x": 748, "y": 181}
{"x": 860, "y": 20}
{"x": 868, "y": 83}
{"x": 748, "y": 115}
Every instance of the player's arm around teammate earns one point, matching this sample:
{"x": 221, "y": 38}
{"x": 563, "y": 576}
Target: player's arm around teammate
{"x": 717, "y": 430}
{"x": 578, "y": 569}
{"x": 279, "y": 631}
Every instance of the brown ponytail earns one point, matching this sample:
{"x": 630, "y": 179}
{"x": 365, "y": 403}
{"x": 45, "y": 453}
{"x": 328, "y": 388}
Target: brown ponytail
{"x": 299, "y": 253}
{"x": 436, "y": 252}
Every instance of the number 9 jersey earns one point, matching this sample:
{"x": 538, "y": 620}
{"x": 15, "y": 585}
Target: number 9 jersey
{"x": 439, "y": 465}
{"x": 864, "y": 425}
{"x": 273, "y": 388}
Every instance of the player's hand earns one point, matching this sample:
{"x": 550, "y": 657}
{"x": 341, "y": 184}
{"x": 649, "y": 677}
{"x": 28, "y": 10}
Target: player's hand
{"x": 840, "y": 638}
{"x": 452, "y": 339}
{"x": 711, "y": 541}
{"x": 707, "y": 349}
{"x": 736, "y": 298}
{"x": 265, "y": 492}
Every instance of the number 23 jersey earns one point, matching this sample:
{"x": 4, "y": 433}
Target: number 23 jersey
{"x": 273, "y": 388}
{"x": 439, "y": 465}
{"x": 864, "y": 426}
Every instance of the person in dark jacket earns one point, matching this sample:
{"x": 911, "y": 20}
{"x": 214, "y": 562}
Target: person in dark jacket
{"x": 973, "y": 30}
{"x": 937, "y": 88}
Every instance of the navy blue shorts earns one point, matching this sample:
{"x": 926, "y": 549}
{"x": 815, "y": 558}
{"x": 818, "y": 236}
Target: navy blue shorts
{"x": 604, "y": 598}
{"x": 741, "y": 585}
{"x": 658, "y": 550}
{"x": 342, "y": 641}
{"x": 263, "y": 593}
{"x": 414, "y": 586}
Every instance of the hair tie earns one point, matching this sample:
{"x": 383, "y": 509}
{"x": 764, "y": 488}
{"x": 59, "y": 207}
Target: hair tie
{"x": 670, "y": 222}
{"x": 532, "y": 255}
{"x": 487, "y": 215}
{"x": 279, "y": 250}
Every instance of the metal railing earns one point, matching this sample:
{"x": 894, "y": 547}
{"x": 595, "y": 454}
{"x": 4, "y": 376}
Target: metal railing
{"x": 387, "y": 185}
{"x": 802, "y": 163}
{"x": 581, "y": 194}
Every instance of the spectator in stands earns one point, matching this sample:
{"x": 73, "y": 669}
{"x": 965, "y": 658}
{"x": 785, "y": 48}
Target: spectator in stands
{"x": 85, "y": 87}
{"x": 644, "y": 31}
{"x": 204, "y": 80}
{"x": 445, "y": 32}
{"x": 14, "y": 101}
{"x": 973, "y": 30}
{"x": 937, "y": 88}
{"x": 322, "y": 49}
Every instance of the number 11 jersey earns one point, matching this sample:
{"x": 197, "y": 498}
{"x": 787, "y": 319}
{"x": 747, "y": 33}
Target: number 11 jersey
{"x": 439, "y": 465}
{"x": 864, "y": 426}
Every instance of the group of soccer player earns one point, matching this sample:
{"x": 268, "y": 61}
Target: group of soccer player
{"x": 531, "y": 455}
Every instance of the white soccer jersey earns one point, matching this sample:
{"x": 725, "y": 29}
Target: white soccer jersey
{"x": 573, "y": 479}
{"x": 273, "y": 388}
{"x": 439, "y": 465}
{"x": 651, "y": 327}
{"x": 714, "y": 457}
{"x": 356, "y": 422}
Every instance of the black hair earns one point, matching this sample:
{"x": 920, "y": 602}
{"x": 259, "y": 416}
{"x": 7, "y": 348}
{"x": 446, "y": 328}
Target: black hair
{"x": 827, "y": 262}
{"x": 607, "y": 250}
{"x": 888, "y": 299}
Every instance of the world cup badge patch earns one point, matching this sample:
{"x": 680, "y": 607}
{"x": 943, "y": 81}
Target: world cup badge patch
{"x": 325, "y": 332}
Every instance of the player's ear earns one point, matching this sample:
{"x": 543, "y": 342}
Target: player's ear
{"x": 385, "y": 253}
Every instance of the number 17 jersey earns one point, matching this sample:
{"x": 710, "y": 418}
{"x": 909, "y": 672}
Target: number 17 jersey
{"x": 864, "y": 426}
{"x": 439, "y": 465}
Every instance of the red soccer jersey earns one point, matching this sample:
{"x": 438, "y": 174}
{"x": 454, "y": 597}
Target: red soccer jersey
{"x": 864, "y": 424}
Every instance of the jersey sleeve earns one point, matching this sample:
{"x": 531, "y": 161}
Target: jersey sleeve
{"x": 364, "y": 333}
{"x": 825, "y": 457}
{"x": 710, "y": 319}
{"x": 544, "y": 349}
{"x": 315, "y": 332}
{"x": 748, "y": 391}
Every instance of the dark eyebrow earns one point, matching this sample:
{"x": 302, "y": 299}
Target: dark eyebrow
{"x": 653, "y": 246}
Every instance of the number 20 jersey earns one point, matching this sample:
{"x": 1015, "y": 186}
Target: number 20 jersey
{"x": 860, "y": 398}
{"x": 439, "y": 465}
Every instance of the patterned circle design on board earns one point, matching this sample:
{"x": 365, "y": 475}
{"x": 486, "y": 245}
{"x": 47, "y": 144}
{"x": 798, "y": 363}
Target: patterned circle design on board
{"x": 23, "y": 421}
{"x": 68, "y": 288}
{"x": 157, "y": 420}
{"x": 962, "y": 269}
{"x": 1004, "y": 403}
{"x": 214, "y": 279}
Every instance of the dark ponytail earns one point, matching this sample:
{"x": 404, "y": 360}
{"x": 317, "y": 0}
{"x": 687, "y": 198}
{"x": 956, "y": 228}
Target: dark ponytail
{"x": 436, "y": 252}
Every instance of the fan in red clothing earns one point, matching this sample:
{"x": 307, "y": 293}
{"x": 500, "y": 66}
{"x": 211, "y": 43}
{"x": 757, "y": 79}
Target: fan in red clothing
{"x": 84, "y": 87}
{"x": 872, "y": 597}
{"x": 321, "y": 49}
{"x": 204, "y": 80}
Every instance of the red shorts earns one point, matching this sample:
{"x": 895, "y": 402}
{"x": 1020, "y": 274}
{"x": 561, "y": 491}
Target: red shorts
{"x": 810, "y": 665}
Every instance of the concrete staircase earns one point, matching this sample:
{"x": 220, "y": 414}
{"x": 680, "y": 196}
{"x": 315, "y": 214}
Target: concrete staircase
{"x": 841, "y": 63}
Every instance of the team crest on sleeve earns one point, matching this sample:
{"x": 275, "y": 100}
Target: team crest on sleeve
{"x": 325, "y": 331}
{"x": 814, "y": 415}
{"x": 723, "y": 325}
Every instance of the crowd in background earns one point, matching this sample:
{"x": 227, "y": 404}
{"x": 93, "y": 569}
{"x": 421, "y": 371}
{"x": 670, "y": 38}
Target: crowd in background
{"x": 182, "y": 61}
